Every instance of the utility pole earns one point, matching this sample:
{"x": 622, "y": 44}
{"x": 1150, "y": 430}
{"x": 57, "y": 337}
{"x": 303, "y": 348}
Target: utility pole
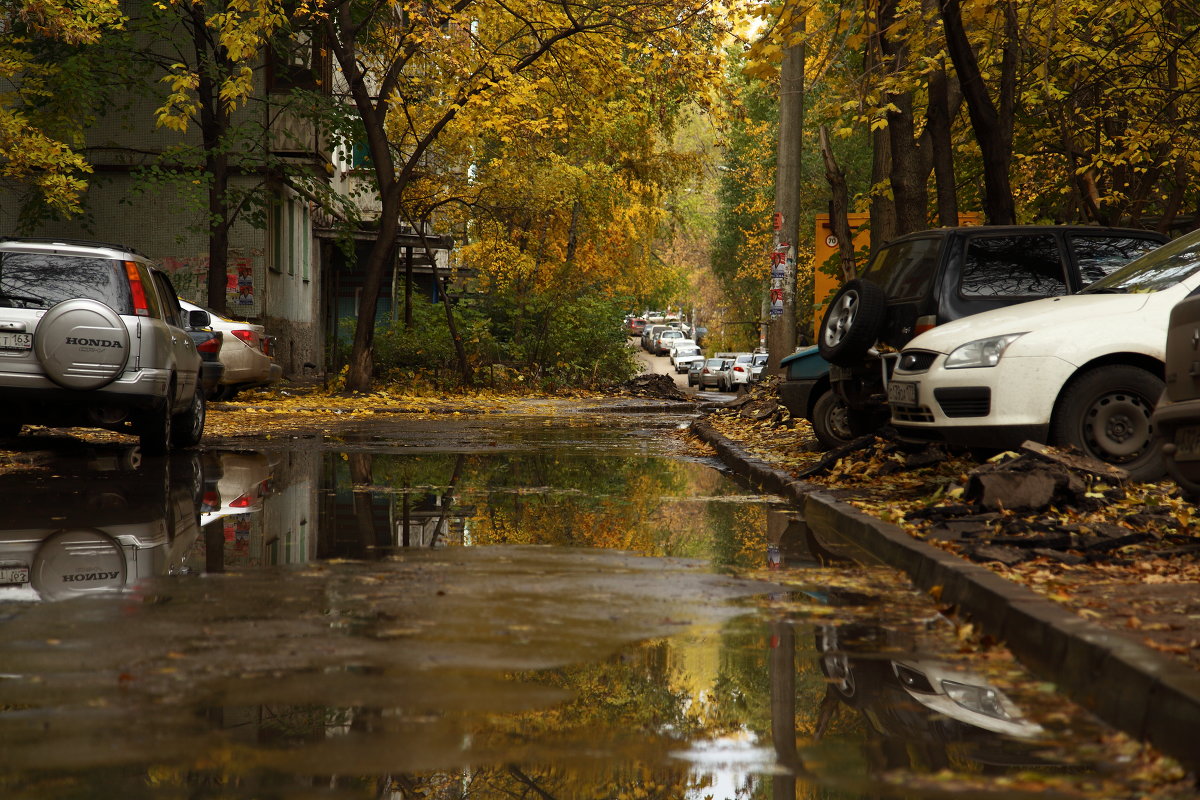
{"x": 781, "y": 330}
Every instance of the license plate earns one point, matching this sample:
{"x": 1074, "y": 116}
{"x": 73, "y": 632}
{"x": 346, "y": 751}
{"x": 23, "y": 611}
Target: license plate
{"x": 16, "y": 341}
{"x": 904, "y": 394}
{"x": 1187, "y": 444}
{"x": 14, "y": 575}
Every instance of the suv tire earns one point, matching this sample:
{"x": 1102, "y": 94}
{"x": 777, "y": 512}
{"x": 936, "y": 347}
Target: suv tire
{"x": 1105, "y": 412}
{"x": 187, "y": 428}
{"x": 852, "y": 323}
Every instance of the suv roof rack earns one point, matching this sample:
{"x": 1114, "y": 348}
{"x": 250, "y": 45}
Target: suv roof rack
{"x": 74, "y": 242}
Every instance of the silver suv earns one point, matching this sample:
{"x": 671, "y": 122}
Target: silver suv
{"x": 92, "y": 335}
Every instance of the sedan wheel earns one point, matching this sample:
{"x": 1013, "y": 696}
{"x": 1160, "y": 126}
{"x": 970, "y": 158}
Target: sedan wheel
{"x": 1106, "y": 413}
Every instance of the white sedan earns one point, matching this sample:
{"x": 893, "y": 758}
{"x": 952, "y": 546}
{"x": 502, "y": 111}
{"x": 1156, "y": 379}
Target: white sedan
{"x": 1083, "y": 370}
{"x": 245, "y": 352}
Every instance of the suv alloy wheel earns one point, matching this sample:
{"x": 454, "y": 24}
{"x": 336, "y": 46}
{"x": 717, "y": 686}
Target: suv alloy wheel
{"x": 852, "y": 322}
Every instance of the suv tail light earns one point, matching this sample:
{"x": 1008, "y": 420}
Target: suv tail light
{"x": 140, "y": 306}
{"x": 925, "y": 323}
{"x": 739, "y": 369}
{"x": 212, "y": 345}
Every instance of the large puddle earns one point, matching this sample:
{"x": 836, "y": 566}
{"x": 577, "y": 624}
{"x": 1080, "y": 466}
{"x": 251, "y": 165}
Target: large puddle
{"x": 540, "y": 608}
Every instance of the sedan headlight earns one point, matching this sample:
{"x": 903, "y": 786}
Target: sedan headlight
{"x": 981, "y": 352}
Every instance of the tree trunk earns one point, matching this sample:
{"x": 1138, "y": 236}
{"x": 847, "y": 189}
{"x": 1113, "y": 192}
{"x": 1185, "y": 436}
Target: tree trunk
{"x": 910, "y": 170}
{"x": 361, "y": 478}
{"x": 883, "y": 209}
{"x": 214, "y": 123}
{"x": 992, "y": 123}
{"x": 781, "y": 332}
{"x": 939, "y": 118}
{"x": 909, "y": 174}
{"x": 839, "y": 208}
{"x": 362, "y": 353}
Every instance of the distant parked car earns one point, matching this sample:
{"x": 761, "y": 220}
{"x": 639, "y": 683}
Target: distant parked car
{"x": 245, "y": 352}
{"x": 712, "y": 374}
{"x": 694, "y": 370}
{"x": 757, "y": 366}
{"x": 1085, "y": 370}
{"x": 683, "y": 357}
{"x": 662, "y": 343}
{"x": 241, "y": 482}
{"x": 739, "y": 373}
{"x": 649, "y": 334}
{"x": 636, "y": 326}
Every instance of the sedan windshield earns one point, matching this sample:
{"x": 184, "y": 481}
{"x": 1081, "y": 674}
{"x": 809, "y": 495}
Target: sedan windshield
{"x": 687, "y": 351}
{"x": 1155, "y": 271}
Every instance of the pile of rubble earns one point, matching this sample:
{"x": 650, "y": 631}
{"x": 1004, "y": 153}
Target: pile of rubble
{"x": 1041, "y": 504}
{"x": 760, "y": 403}
{"x": 659, "y": 387}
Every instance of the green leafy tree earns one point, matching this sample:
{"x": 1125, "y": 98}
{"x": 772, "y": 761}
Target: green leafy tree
{"x": 50, "y": 56}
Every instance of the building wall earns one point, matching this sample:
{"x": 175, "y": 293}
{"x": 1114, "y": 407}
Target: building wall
{"x": 292, "y": 285}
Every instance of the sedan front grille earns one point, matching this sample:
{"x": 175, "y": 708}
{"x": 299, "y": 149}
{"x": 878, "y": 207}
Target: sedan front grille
{"x": 916, "y": 360}
{"x": 964, "y": 401}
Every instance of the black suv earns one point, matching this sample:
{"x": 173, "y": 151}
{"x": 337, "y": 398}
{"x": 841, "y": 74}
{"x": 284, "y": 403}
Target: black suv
{"x": 928, "y": 278}
{"x": 92, "y": 335}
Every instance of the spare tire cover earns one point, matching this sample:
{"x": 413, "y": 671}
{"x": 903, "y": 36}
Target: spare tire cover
{"x": 77, "y": 562}
{"x": 82, "y": 344}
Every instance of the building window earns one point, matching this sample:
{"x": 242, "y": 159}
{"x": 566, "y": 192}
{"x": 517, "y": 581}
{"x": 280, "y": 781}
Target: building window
{"x": 298, "y": 61}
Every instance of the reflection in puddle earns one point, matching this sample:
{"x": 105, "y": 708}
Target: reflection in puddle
{"x": 296, "y": 623}
{"x": 99, "y": 525}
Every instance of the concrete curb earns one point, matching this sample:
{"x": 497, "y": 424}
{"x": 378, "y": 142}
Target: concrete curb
{"x": 1146, "y": 694}
{"x": 659, "y": 407}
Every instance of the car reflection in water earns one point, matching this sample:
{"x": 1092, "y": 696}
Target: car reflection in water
{"x": 918, "y": 711}
{"x": 921, "y": 705}
{"x": 100, "y": 522}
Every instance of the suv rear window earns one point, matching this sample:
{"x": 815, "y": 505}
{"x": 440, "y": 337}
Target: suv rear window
{"x": 42, "y": 280}
{"x": 1098, "y": 256}
{"x": 1012, "y": 266}
{"x": 906, "y": 269}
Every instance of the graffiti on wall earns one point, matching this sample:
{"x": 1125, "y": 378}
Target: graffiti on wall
{"x": 190, "y": 276}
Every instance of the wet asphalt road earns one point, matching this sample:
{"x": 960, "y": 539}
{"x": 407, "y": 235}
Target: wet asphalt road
{"x": 568, "y": 606}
